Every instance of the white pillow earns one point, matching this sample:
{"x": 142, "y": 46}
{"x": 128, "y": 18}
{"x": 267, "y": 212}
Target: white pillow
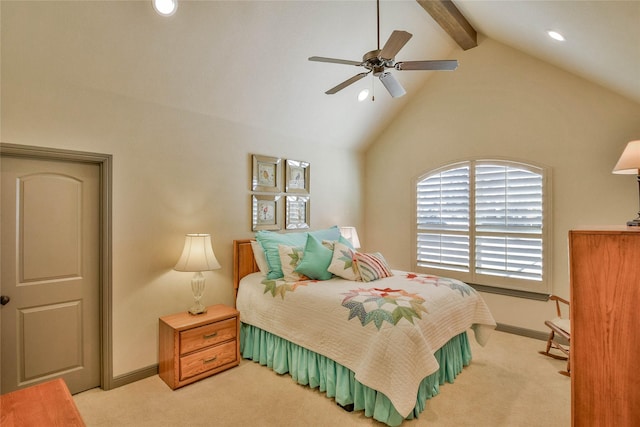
{"x": 260, "y": 257}
{"x": 343, "y": 264}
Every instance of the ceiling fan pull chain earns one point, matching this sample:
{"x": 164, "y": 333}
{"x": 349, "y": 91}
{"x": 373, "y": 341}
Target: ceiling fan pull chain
{"x": 373, "y": 89}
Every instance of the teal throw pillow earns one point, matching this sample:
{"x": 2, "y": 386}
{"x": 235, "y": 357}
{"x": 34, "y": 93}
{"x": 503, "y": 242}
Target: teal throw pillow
{"x": 331, "y": 233}
{"x": 316, "y": 260}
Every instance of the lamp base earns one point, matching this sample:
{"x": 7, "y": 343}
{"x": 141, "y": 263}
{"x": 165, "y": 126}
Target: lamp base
{"x": 634, "y": 223}
{"x": 197, "y": 310}
{"x": 197, "y": 286}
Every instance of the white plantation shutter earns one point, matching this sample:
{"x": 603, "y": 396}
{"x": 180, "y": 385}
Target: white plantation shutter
{"x": 483, "y": 219}
{"x": 508, "y": 199}
{"x": 509, "y": 257}
{"x": 443, "y": 251}
{"x": 508, "y": 218}
{"x": 442, "y": 209}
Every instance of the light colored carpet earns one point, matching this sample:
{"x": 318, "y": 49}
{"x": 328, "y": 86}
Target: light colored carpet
{"x": 507, "y": 384}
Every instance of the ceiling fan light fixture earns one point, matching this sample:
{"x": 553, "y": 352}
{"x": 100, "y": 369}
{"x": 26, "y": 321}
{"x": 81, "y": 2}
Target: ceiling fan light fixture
{"x": 165, "y": 7}
{"x": 392, "y": 85}
{"x": 555, "y": 35}
{"x": 364, "y": 94}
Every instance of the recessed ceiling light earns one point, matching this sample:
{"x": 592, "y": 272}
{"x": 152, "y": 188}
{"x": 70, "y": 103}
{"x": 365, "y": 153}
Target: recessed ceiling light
{"x": 556, "y": 35}
{"x": 364, "y": 94}
{"x": 165, "y": 7}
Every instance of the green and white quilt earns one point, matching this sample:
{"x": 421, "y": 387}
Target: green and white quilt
{"x": 385, "y": 331}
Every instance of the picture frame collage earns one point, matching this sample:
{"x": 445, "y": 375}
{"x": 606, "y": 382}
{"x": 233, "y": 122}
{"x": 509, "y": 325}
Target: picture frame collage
{"x": 280, "y": 191}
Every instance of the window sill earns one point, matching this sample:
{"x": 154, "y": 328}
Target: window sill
{"x": 510, "y": 292}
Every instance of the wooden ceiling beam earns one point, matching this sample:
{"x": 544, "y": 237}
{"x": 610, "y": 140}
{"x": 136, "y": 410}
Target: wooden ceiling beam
{"x": 447, "y": 15}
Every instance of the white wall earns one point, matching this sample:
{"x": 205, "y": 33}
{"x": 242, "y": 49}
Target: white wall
{"x": 501, "y": 102}
{"x": 174, "y": 172}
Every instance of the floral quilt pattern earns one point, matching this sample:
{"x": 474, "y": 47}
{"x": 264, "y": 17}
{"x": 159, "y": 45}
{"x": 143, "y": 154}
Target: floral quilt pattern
{"x": 383, "y": 305}
{"x": 391, "y": 305}
{"x": 375, "y": 304}
{"x": 280, "y": 287}
{"x": 455, "y": 285}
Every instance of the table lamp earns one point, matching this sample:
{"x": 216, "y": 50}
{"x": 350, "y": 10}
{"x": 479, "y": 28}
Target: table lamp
{"x": 629, "y": 163}
{"x": 197, "y": 256}
{"x": 351, "y": 235}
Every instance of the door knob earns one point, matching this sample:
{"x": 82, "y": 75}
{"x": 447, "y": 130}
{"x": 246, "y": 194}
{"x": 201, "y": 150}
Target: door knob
{"x": 4, "y": 299}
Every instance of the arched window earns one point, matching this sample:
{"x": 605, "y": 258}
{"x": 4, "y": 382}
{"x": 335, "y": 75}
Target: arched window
{"x": 485, "y": 222}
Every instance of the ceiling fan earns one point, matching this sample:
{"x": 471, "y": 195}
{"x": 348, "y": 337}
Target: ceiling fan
{"x": 377, "y": 61}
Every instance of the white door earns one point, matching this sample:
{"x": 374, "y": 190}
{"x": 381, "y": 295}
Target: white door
{"x": 50, "y": 272}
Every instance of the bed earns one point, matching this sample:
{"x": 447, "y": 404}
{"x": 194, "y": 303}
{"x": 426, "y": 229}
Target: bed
{"x": 382, "y": 346}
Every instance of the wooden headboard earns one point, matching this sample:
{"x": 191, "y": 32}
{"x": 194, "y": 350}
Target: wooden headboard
{"x": 243, "y": 261}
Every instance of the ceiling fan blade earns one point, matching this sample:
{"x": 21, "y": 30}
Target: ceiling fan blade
{"x": 444, "y": 65}
{"x": 334, "y": 60}
{"x": 396, "y": 41}
{"x": 346, "y": 83}
{"x": 393, "y": 86}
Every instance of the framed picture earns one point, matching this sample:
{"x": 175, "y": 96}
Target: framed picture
{"x": 267, "y": 174}
{"x": 297, "y": 177}
{"x": 297, "y": 212}
{"x": 266, "y": 212}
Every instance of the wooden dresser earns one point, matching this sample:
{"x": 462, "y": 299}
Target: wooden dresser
{"x": 195, "y": 347}
{"x": 605, "y": 323}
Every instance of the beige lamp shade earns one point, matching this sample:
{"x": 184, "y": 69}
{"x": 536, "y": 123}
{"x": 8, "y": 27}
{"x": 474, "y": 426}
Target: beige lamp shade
{"x": 197, "y": 254}
{"x": 629, "y": 162}
{"x": 351, "y": 235}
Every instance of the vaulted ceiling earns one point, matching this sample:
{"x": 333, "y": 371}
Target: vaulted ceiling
{"x": 247, "y": 61}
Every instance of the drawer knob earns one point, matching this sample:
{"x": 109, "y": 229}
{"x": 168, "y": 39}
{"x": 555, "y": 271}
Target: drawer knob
{"x": 213, "y": 359}
{"x": 213, "y": 335}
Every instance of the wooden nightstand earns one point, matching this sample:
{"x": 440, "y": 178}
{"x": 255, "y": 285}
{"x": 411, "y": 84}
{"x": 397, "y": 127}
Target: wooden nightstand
{"x": 195, "y": 347}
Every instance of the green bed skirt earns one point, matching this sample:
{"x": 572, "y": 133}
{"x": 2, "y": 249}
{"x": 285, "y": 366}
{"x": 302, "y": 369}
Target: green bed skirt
{"x": 317, "y": 371}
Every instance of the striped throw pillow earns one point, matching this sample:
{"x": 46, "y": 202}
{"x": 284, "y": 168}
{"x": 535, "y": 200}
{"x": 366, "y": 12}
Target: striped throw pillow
{"x": 372, "y": 266}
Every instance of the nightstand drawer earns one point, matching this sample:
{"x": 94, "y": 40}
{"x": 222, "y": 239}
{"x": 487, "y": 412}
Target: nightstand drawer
{"x": 207, "y": 335}
{"x": 207, "y": 359}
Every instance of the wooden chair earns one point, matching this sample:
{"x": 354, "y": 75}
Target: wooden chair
{"x": 560, "y": 327}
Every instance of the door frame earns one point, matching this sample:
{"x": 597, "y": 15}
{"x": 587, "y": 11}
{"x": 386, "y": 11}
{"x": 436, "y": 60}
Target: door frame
{"x": 104, "y": 162}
